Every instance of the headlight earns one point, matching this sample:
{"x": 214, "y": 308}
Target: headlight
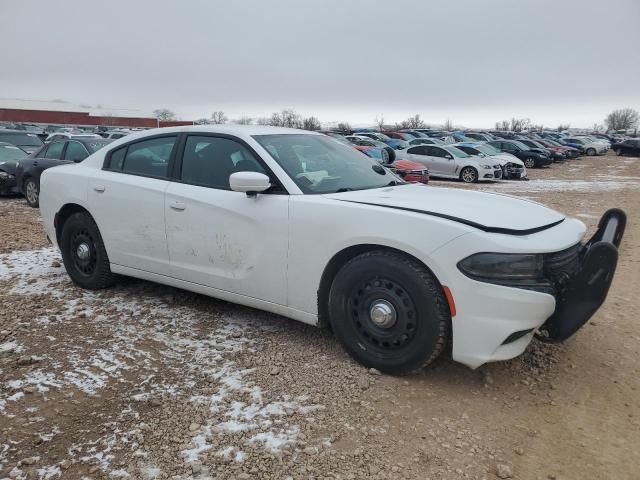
{"x": 487, "y": 166}
{"x": 504, "y": 268}
{"x": 5, "y": 175}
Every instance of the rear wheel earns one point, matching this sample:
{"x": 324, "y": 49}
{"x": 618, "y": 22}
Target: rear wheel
{"x": 469, "y": 175}
{"x": 530, "y": 162}
{"x": 618, "y": 151}
{"x": 591, "y": 151}
{"x": 83, "y": 253}
{"x": 389, "y": 312}
{"x": 31, "y": 190}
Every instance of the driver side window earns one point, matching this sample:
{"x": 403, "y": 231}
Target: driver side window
{"x": 55, "y": 151}
{"x": 209, "y": 161}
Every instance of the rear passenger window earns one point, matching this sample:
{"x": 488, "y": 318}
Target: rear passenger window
{"x": 148, "y": 157}
{"x": 116, "y": 159}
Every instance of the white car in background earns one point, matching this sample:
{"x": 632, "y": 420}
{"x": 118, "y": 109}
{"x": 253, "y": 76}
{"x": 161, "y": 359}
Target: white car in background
{"x": 512, "y": 166}
{"x": 590, "y": 147}
{"x": 68, "y": 135}
{"x": 295, "y": 223}
{"x": 446, "y": 161}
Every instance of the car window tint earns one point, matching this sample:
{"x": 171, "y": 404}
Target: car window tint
{"x": 209, "y": 161}
{"x": 54, "y": 151}
{"x": 149, "y": 157}
{"x": 438, "y": 152}
{"x": 416, "y": 150}
{"x": 75, "y": 152}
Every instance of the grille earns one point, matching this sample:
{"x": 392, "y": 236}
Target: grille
{"x": 559, "y": 266}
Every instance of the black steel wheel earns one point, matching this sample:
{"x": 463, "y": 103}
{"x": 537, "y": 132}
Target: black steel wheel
{"x": 389, "y": 312}
{"x": 84, "y": 254}
{"x": 530, "y": 162}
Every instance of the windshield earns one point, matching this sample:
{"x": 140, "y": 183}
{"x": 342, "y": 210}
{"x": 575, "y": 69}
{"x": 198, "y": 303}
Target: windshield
{"x": 21, "y": 139}
{"x": 521, "y": 145}
{"x": 9, "y": 152}
{"x": 456, "y": 152}
{"x": 320, "y": 165}
{"x": 488, "y": 149}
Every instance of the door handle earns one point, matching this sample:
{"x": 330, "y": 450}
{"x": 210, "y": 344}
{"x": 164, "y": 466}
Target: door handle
{"x": 99, "y": 188}
{"x": 179, "y": 206}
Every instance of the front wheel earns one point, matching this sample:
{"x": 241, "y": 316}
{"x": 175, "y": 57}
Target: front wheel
{"x": 83, "y": 253}
{"x": 389, "y": 312}
{"x": 31, "y": 191}
{"x": 591, "y": 151}
{"x": 530, "y": 162}
{"x": 469, "y": 175}
{"x": 618, "y": 151}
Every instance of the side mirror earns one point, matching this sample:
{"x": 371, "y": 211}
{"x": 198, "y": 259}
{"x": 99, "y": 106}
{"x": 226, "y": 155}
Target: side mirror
{"x": 450, "y": 157}
{"x": 249, "y": 182}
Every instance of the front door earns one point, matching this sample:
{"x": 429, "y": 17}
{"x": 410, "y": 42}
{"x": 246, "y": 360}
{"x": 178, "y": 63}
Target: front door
{"x": 444, "y": 161}
{"x": 224, "y": 239}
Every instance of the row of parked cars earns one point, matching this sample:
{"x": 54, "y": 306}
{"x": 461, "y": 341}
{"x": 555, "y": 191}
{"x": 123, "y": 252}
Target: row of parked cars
{"x": 473, "y": 156}
{"x": 414, "y": 154}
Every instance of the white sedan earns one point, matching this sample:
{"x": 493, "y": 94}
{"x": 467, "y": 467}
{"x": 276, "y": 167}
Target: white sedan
{"x": 446, "y": 161}
{"x": 297, "y": 224}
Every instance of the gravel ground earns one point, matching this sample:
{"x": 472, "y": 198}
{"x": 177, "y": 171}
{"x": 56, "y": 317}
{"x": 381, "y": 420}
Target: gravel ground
{"x": 145, "y": 381}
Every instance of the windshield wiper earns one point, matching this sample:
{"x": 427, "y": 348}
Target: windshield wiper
{"x": 344, "y": 189}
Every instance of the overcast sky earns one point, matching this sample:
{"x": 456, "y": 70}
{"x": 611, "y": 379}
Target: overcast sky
{"x": 474, "y": 62}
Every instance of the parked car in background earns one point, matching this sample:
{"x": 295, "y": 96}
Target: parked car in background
{"x": 371, "y": 151}
{"x": 410, "y": 171}
{"x": 512, "y": 166}
{"x": 530, "y": 158}
{"x": 29, "y": 142}
{"x": 445, "y": 161}
{"x": 369, "y": 142}
{"x": 10, "y": 155}
{"x": 401, "y": 136}
{"x": 425, "y": 141}
{"x": 115, "y": 134}
{"x": 60, "y": 152}
{"x": 66, "y": 135}
{"x": 628, "y": 147}
{"x": 591, "y": 148}
{"x": 483, "y": 137}
{"x": 555, "y": 154}
{"x": 568, "y": 151}
{"x": 381, "y": 137}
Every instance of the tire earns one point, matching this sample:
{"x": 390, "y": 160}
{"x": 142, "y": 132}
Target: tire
{"x": 530, "y": 162}
{"x": 469, "y": 175}
{"x": 80, "y": 236}
{"x": 618, "y": 151}
{"x": 591, "y": 151}
{"x": 406, "y": 293}
{"x": 31, "y": 192}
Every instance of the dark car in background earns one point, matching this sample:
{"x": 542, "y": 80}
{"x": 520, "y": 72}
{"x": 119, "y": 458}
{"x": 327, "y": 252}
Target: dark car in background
{"x": 29, "y": 142}
{"x": 56, "y": 153}
{"x": 628, "y": 147}
{"x": 556, "y": 155}
{"x": 10, "y": 155}
{"x": 530, "y": 158}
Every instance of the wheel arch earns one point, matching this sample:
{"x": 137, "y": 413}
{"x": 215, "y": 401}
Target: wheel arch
{"x": 63, "y": 215}
{"x": 341, "y": 258}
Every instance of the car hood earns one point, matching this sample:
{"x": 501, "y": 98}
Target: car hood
{"x": 504, "y": 158}
{"x": 8, "y": 166}
{"x": 489, "y": 212}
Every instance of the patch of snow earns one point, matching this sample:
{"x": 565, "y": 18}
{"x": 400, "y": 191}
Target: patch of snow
{"x": 275, "y": 442}
{"x": 11, "y": 346}
{"x": 49, "y": 472}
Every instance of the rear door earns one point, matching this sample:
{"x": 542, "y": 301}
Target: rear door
{"x": 220, "y": 238}
{"x": 126, "y": 199}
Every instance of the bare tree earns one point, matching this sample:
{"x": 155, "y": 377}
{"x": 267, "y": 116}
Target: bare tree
{"x": 344, "y": 127}
{"x": 448, "y": 125}
{"x": 503, "y": 125}
{"x": 536, "y": 128}
{"x": 519, "y": 124}
{"x": 202, "y": 121}
{"x": 563, "y": 126}
{"x": 263, "y": 121}
{"x": 218, "y": 118}
{"x": 244, "y": 120}
{"x": 311, "y": 123}
{"x": 164, "y": 114}
{"x": 623, "y": 119}
{"x": 286, "y": 118}
{"x": 380, "y": 122}
{"x": 415, "y": 122}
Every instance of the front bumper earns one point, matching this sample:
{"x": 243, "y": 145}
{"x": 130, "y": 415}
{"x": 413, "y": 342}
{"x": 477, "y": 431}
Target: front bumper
{"x": 581, "y": 295}
{"x": 8, "y": 183}
{"x": 497, "y": 322}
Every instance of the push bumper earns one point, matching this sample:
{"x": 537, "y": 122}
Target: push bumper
{"x": 583, "y": 294}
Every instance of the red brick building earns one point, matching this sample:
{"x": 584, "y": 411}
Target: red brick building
{"x": 54, "y": 117}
